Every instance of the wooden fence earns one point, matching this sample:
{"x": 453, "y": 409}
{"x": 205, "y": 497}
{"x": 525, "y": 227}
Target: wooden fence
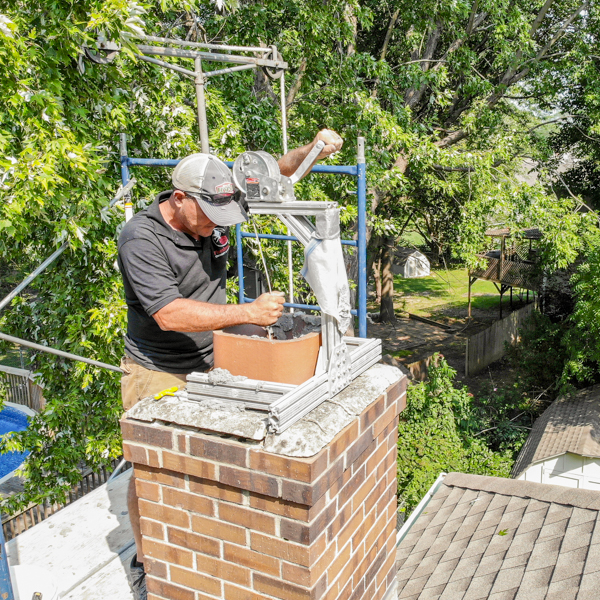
{"x": 488, "y": 346}
{"x": 15, "y": 524}
{"x": 20, "y": 388}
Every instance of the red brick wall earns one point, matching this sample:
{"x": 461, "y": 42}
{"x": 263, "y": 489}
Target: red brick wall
{"x": 223, "y": 519}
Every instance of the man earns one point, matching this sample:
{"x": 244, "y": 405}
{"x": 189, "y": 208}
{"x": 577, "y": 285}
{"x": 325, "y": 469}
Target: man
{"x": 173, "y": 259}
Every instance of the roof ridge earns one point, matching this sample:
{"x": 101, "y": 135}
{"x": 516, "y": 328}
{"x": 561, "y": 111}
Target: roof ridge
{"x": 544, "y": 492}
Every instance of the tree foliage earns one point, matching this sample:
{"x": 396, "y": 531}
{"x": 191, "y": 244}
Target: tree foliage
{"x": 439, "y": 432}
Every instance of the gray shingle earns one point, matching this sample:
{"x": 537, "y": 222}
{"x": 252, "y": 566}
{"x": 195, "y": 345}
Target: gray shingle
{"x": 522, "y": 543}
{"x": 596, "y": 533}
{"x": 428, "y": 537}
{"x": 481, "y": 503}
{"x": 515, "y": 561}
{"x": 439, "y": 545}
{"x": 589, "y": 586}
{"x": 504, "y": 595}
{"x": 455, "y": 590}
{"x": 499, "y": 501}
{"x": 405, "y": 573}
{"x": 455, "y": 549}
{"x": 578, "y": 536}
{"x": 562, "y": 595}
{"x": 485, "y": 532}
{"x": 499, "y": 544}
{"x": 442, "y": 573}
{"x": 516, "y": 504}
{"x": 412, "y": 587}
{"x": 480, "y": 587}
{"x": 466, "y": 567}
{"x": 532, "y": 520}
{"x": 432, "y": 593}
{"x": 427, "y": 566}
{"x": 569, "y": 564}
{"x": 592, "y": 561}
{"x": 414, "y": 558}
{"x": 553, "y": 530}
{"x": 477, "y": 547}
{"x": 508, "y": 579}
{"x": 487, "y": 565}
{"x": 544, "y": 554}
{"x": 582, "y": 515}
{"x": 535, "y": 583}
{"x": 567, "y": 587}
{"x": 558, "y": 512}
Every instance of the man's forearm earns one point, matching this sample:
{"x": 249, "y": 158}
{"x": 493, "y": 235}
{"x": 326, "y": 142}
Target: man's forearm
{"x": 293, "y": 159}
{"x": 190, "y": 315}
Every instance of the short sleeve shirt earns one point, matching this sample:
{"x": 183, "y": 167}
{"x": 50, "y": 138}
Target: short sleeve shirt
{"x": 159, "y": 265}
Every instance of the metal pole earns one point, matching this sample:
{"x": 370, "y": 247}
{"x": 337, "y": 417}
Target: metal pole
{"x": 201, "y": 106}
{"x": 128, "y": 205}
{"x": 89, "y": 361}
{"x": 240, "y": 262}
{"x": 176, "y": 42}
{"x": 362, "y": 239}
{"x": 6, "y": 589}
{"x": 285, "y": 151}
{"x": 33, "y": 275}
{"x": 123, "y": 153}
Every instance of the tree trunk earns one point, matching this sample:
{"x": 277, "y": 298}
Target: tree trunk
{"x": 386, "y": 312}
{"x": 377, "y": 277}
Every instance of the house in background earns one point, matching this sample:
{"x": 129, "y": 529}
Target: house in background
{"x": 410, "y": 263}
{"x": 563, "y": 447}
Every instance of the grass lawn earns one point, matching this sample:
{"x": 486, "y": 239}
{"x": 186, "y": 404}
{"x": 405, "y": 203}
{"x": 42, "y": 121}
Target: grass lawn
{"x": 444, "y": 291}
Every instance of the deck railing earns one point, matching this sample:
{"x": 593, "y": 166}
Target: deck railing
{"x": 521, "y": 273}
{"x": 21, "y": 388}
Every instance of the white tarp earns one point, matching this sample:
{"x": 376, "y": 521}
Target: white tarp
{"x": 325, "y": 271}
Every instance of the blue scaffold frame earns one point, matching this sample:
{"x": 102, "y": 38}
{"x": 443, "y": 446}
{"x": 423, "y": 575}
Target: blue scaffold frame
{"x": 359, "y": 171}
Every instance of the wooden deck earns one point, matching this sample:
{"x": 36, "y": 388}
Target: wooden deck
{"x": 86, "y": 546}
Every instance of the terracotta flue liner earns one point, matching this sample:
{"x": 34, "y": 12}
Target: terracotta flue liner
{"x": 283, "y": 361}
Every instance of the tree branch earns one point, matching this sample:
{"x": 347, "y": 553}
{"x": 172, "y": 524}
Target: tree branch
{"x": 413, "y": 96}
{"x": 511, "y": 76}
{"x": 386, "y": 42}
{"x": 297, "y": 83}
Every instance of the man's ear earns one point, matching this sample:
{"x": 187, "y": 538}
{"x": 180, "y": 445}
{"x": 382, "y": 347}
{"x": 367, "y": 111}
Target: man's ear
{"x": 178, "y": 197}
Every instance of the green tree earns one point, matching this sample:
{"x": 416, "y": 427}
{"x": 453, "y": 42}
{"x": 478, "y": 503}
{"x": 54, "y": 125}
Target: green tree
{"x": 438, "y": 432}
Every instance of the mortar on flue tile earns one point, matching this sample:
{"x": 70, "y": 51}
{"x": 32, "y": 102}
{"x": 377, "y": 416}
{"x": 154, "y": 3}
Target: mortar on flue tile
{"x": 290, "y": 357}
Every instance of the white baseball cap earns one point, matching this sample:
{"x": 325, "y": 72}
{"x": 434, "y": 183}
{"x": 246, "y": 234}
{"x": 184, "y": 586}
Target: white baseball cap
{"x": 208, "y": 180}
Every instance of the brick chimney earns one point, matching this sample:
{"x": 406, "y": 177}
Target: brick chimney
{"x": 308, "y": 514}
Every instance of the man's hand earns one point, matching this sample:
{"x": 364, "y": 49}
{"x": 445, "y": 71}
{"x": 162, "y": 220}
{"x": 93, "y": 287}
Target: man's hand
{"x": 333, "y": 142}
{"x": 266, "y": 309}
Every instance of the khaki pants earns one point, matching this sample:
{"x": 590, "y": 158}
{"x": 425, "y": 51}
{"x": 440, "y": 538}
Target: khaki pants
{"x": 137, "y": 382}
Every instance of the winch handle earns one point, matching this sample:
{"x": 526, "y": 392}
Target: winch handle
{"x": 307, "y": 162}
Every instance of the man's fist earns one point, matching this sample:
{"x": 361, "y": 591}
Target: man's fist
{"x": 266, "y": 309}
{"x": 333, "y": 142}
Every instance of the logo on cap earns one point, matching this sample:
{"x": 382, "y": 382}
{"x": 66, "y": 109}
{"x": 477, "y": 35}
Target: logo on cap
{"x": 224, "y": 188}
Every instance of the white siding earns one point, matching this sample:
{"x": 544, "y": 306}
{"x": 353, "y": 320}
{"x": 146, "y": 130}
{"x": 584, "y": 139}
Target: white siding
{"x": 570, "y": 470}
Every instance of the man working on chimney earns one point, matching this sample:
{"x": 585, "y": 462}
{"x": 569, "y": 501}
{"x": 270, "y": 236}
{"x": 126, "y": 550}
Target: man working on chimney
{"x": 173, "y": 259}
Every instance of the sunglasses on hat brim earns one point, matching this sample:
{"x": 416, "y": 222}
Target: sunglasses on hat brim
{"x": 217, "y": 199}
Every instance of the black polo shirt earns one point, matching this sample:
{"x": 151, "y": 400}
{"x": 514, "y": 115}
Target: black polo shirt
{"x": 159, "y": 265}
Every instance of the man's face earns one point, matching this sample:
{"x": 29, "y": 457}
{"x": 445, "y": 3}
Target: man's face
{"x": 192, "y": 218}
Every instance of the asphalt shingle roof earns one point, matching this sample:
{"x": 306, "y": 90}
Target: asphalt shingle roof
{"x": 502, "y": 539}
{"x": 569, "y": 424}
